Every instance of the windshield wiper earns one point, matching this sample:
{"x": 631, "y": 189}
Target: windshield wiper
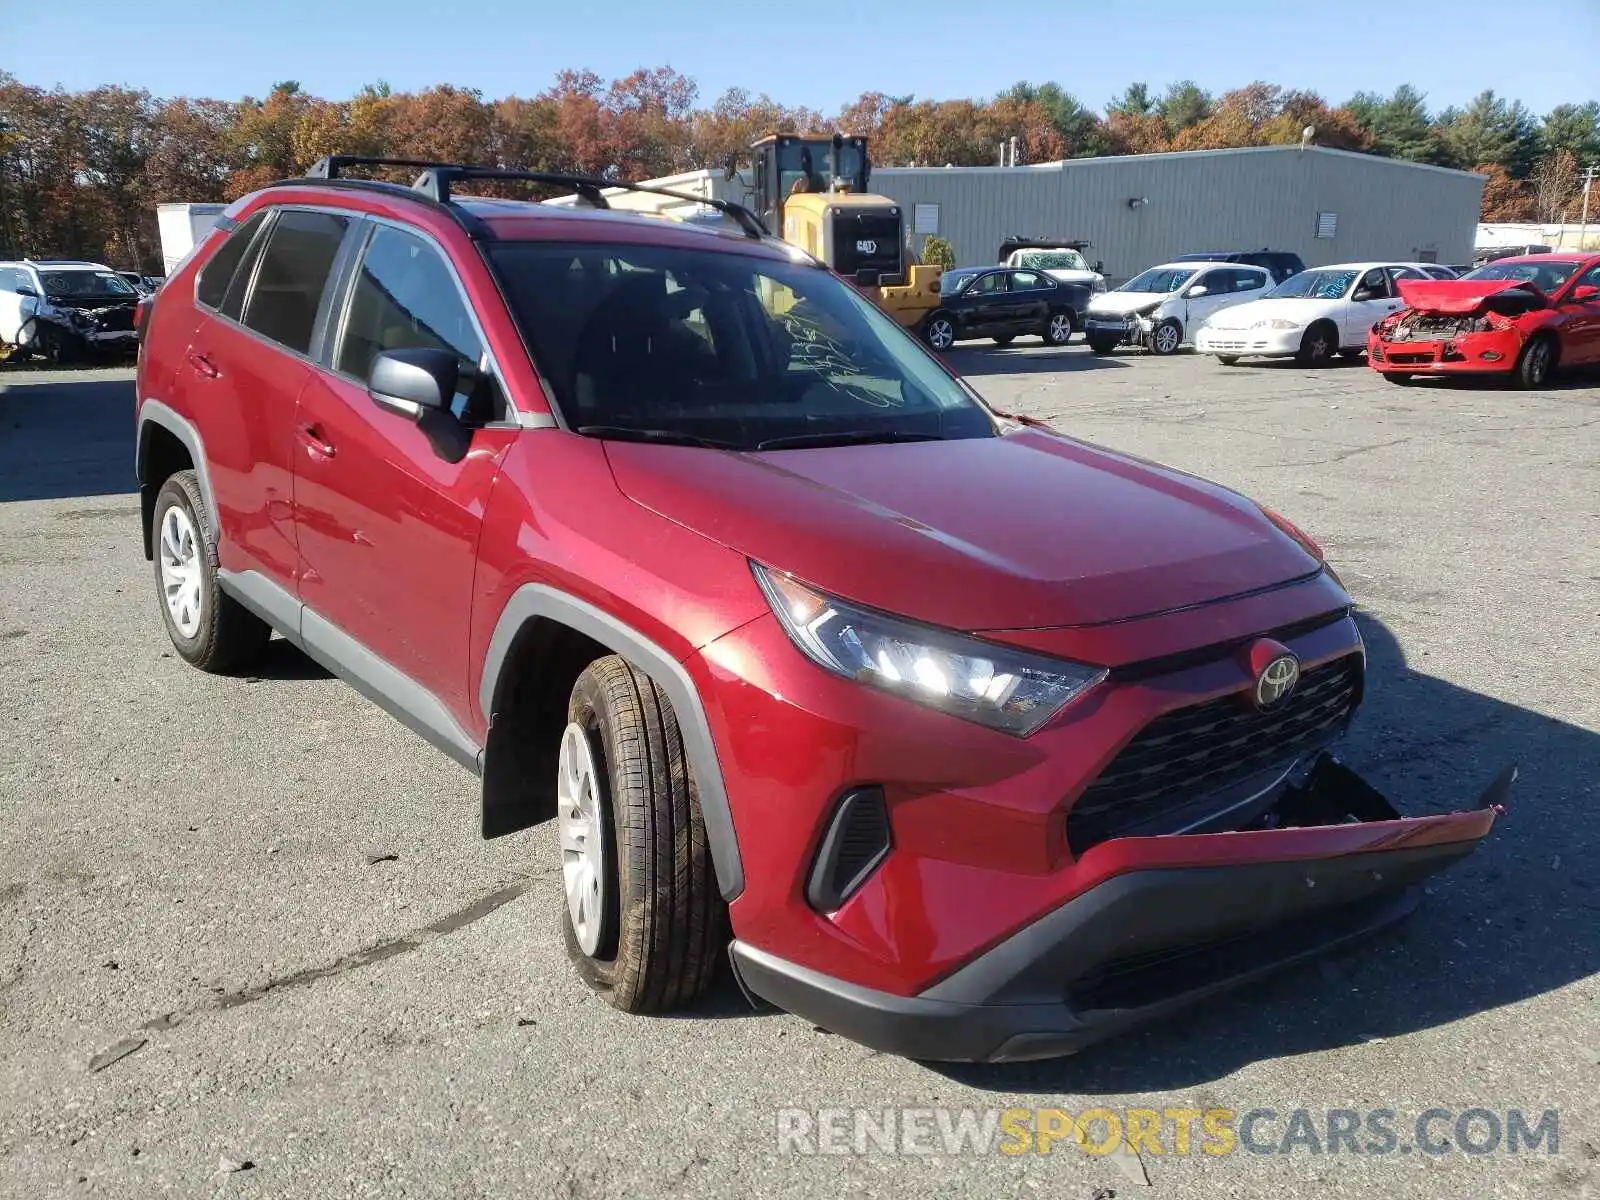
{"x": 671, "y": 437}
{"x": 846, "y": 437}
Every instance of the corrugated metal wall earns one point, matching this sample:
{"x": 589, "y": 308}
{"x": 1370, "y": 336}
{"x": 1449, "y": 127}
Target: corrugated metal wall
{"x": 1207, "y": 200}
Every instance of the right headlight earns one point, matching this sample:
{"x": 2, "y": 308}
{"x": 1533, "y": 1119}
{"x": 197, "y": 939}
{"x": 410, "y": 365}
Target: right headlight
{"x": 1005, "y": 689}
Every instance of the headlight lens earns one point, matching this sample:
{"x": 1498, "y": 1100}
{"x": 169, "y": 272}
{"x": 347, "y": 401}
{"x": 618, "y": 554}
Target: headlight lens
{"x": 1005, "y": 689}
{"x": 1275, "y": 323}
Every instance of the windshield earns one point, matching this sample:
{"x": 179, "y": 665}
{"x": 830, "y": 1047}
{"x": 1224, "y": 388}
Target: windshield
{"x": 1048, "y": 260}
{"x": 804, "y": 167}
{"x": 665, "y": 342}
{"x": 85, "y": 284}
{"x": 1546, "y": 276}
{"x": 1314, "y": 285}
{"x": 1158, "y": 279}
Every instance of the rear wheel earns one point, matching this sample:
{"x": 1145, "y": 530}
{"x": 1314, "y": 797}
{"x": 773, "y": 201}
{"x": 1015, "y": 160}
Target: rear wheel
{"x": 939, "y": 332}
{"x": 1318, "y": 346}
{"x": 209, "y": 629}
{"x": 1166, "y": 337}
{"x": 642, "y": 917}
{"x": 1535, "y": 363}
{"x": 1059, "y": 330}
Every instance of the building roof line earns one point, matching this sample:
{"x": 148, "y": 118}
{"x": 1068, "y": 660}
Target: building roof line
{"x": 1062, "y": 164}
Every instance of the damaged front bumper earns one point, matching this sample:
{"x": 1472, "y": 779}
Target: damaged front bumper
{"x": 1467, "y": 353}
{"x": 1125, "y": 329}
{"x": 1171, "y": 921}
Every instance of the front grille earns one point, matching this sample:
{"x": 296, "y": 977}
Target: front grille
{"x": 1205, "y": 748}
{"x": 1404, "y": 356}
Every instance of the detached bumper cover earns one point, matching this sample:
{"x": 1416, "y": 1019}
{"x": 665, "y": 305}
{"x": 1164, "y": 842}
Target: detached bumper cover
{"x": 1146, "y": 942}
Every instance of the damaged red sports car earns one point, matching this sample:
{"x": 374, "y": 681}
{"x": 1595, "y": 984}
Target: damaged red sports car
{"x": 1517, "y": 317}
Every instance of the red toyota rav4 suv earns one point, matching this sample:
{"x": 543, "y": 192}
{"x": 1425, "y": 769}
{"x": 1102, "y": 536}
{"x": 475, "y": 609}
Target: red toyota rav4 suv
{"x": 986, "y": 741}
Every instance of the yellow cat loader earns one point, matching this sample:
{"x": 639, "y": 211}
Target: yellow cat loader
{"x": 812, "y": 192}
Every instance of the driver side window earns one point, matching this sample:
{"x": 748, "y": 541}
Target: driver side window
{"x": 1374, "y": 285}
{"x": 989, "y": 284}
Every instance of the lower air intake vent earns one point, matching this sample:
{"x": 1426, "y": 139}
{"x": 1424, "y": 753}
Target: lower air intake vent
{"x": 856, "y": 842}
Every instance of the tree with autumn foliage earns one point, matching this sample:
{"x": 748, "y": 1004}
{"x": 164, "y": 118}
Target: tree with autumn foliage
{"x": 82, "y": 172}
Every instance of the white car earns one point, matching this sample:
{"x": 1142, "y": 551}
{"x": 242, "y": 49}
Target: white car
{"x": 1311, "y": 316}
{"x": 1160, "y": 308}
{"x": 60, "y": 309}
{"x": 1063, "y": 264}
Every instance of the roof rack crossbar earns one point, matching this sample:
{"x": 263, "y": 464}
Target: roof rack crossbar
{"x": 331, "y": 166}
{"x": 435, "y": 181}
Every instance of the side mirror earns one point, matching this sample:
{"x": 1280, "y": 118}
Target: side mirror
{"x": 410, "y": 383}
{"x": 1099, "y": 267}
{"x": 23, "y": 289}
{"x": 1198, "y": 289}
{"x": 1584, "y": 294}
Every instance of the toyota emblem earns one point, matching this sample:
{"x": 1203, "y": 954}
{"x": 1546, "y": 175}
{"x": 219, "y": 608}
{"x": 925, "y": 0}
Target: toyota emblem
{"x": 1276, "y": 682}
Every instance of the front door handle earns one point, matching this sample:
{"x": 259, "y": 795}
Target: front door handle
{"x": 316, "y": 445}
{"x": 203, "y": 365}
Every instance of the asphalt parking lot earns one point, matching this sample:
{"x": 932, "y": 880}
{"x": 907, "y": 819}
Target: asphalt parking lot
{"x": 270, "y": 900}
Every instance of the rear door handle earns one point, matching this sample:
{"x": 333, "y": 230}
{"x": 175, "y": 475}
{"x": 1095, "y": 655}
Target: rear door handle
{"x": 203, "y": 365}
{"x": 315, "y": 443}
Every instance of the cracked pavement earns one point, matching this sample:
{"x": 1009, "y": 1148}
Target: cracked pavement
{"x": 280, "y": 894}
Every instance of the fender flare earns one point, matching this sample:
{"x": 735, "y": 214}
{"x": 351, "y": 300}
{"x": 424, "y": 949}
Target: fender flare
{"x": 154, "y": 412}
{"x": 534, "y": 601}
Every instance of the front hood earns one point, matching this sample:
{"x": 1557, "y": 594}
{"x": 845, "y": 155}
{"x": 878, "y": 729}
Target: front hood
{"x": 1126, "y": 302}
{"x": 1300, "y": 311}
{"x": 1456, "y": 295}
{"x": 1029, "y": 530}
{"x": 92, "y": 304}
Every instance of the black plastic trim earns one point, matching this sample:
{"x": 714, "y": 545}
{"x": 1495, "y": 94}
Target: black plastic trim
{"x": 826, "y": 890}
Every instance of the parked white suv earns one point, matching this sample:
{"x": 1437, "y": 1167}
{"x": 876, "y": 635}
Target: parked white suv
{"x": 1161, "y": 307}
{"x": 1310, "y": 316}
{"x": 61, "y": 310}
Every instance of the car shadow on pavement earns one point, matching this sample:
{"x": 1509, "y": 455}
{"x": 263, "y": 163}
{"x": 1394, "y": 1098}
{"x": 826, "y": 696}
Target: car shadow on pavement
{"x": 66, "y": 437}
{"x": 1517, "y": 919}
{"x": 282, "y": 661}
{"x": 992, "y": 360}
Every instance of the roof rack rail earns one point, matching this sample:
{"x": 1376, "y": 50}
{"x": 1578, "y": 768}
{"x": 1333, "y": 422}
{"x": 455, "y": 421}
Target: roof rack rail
{"x": 435, "y": 181}
{"x": 436, "y": 177}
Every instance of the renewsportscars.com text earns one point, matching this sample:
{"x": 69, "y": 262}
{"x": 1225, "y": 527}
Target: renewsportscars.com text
{"x": 1378, "y": 1132}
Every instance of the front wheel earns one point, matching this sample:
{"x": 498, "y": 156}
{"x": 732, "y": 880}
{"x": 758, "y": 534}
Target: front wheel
{"x": 1059, "y": 331}
{"x": 1166, "y": 337}
{"x": 1318, "y": 346}
{"x": 1534, "y": 364}
{"x": 643, "y": 920}
{"x": 940, "y": 332}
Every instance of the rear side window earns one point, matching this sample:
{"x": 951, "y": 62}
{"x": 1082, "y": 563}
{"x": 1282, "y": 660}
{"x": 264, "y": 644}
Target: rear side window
{"x": 294, "y": 271}
{"x": 217, "y": 274}
{"x": 1249, "y": 281}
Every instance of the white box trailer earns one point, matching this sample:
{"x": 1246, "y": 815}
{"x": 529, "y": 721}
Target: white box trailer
{"x": 181, "y": 227}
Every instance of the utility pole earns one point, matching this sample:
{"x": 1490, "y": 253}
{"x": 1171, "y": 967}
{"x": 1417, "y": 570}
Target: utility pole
{"x": 1588, "y": 185}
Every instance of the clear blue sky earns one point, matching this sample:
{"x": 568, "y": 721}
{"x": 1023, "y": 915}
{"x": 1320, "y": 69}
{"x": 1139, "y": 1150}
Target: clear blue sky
{"x": 1543, "y": 53}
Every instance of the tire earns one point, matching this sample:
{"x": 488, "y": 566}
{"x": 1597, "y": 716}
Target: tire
{"x": 1058, "y": 331}
{"x": 57, "y": 348}
{"x": 1101, "y": 346}
{"x": 1228, "y": 360}
{"x": 939, "y": 332}
{"x": 1318, "y": 346}
{"x": 660, "y": 929}
{"x": 209, "y": 629}
{"x": 1397, "y": 377}
{"x": 1166, "y": 337}
{"x": 1535, "y": 364}
{"x": 1005, "y": 341}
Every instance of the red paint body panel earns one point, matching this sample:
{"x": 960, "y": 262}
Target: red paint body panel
{"x": 1455, "y": 295}
{"x": 1030, "y": 539}
{"x": 1031, "y": 529}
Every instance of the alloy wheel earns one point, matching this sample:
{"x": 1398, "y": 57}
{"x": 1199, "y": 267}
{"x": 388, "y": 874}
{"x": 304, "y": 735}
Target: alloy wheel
{"x": 581, "y": 828}
{"x": 1538, "y": 362}
{"x": 181, "y": 577}
{"x": 941, "y": 334}
{"x": 1166, "y": 339}
{"x": 1060, "y": 329}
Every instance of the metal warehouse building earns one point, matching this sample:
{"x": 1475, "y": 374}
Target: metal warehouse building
{"x": 1325, "y": 205}
{"x": 1140, "y": 209}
